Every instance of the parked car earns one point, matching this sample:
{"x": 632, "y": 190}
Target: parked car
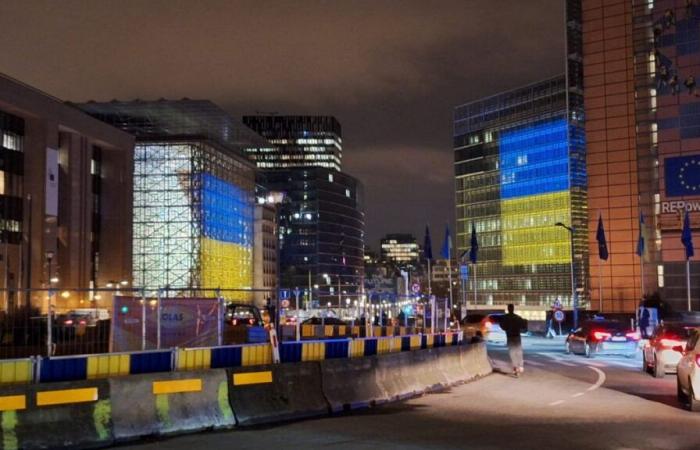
{"x": 484, "y": 326}
{"x": 603, "y": 337}
{"x": 659, "y": 358}
{"x": 688, "y": 372}
{"x": 323, "y": 321}
{"x": 239, "y": 314}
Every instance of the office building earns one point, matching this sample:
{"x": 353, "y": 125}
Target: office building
{"x": 194, "y": 196}
{"x": 65, "y": 202}
{"x": 641, "y": 60}
{"x": 400, "y": 249}
{"x": 299, "y": 142}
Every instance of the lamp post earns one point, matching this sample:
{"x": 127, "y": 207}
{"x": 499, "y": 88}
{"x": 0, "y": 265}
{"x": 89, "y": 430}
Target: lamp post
{"x": 49, "y": 319}
{"x": 574, "y": 299}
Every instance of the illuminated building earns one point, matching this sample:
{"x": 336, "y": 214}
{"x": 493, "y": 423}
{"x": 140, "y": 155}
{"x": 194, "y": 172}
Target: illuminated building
{"x": 65, "y": 191}
{"x": 299, "y": 142}
{"x": 321, "y": 231}
{"x": 400, "y": 249}
{"x": 641, "y": 60}
{"x": 193, "y": 196}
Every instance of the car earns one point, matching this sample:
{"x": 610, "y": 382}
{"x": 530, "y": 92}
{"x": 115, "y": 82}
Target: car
{"x": 603, "y": 337}
{"x": 323, "y": 321}
{"x": 688, "y": 372}
{"x": 658, "y": 356}
{"x": 239, "y": 314}
{"x": 492, "y": 330}
{"x": 473, "y": 326}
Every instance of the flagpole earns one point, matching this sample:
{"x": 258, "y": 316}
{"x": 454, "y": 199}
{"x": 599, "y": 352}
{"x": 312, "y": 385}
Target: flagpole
{"x": 449, "y": 270}
{"x": 687, "y": 281}
{"x": 475, "y": 302}
{"x": 600, "y": 286}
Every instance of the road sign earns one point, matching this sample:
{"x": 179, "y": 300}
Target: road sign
{"x": 464, "y": 272}
{"x": 559, "y": 315}
{"x": 284, "y": 303}
{"x": 284, "y": 294}
{"x": 297, "y": 291}
{"x": 415, "y": 287}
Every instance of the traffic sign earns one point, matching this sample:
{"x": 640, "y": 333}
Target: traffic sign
{"x": 559, "y": 315}
{"x": 464, "y": 272}
{"x": 284, "y": 303}
{"x": 415, "y": 287}
{"x": 284, "y": 294}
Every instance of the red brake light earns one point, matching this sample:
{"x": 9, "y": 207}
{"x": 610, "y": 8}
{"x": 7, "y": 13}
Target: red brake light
{"x": 636, "y": 335}
{"x": 250, "y": 321}
{"x": 601, "y": 335}
{"x": 82, "y": 322}
{"x": 697, "y": 360}
{"x": 235, "y": 321}
{"x": 68, "y": 322}
{"x": 670, "y": 343}
{"x": 488, "y": 324}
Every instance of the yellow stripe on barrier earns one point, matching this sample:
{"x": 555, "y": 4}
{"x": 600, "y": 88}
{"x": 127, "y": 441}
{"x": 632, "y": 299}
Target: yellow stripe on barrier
{"x": 16, "y": 371}
{"x": 357, "y": 348}
{"x": 194, "y": 359}
{"x": 313, "y": 351}
{"x": 429, "y": 340}
{"x": 328, "y": 330}
{"x": 256, "y": 355}
{"x": 383, "y": 345}
{"x": 240, "y": 379}
{"x": 415, "y": 342}
{"x": 65, "y": 396}
{"x": 307, "y": 330}
{"x": 402, "y": 331}
{"x": 104, "y": 366}
{"x": 177, "y": 386}
{"x": 356, "y": 330}
{"x": 396, "y": 344}
{"x": 13, "y": 402}
{"x": 341, "y": 330}
{"x": 377, "y": 331}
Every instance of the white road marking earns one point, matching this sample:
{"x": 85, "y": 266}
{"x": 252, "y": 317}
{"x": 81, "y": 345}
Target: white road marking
{"x": 578, "y": 394}
{"x": 558, "y": 402}
{"x": 600, "y": 381}
{"x": 535, "y": 363}
{"x": 557, "y": 359}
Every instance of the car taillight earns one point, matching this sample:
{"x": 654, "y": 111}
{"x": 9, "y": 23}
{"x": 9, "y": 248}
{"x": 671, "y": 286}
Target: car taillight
{"x": 82, "y": 322}
{"x": 68, "y": 322}
{"x": 670, "y": 343}
{"x": 601, "y": 335}
{"x": 488, "y": 324}
{"x": 697, "y": 360}
{"x": 250, "y": 321}
{"x": 636, "y": 335}
{"x": 235, "y": 321}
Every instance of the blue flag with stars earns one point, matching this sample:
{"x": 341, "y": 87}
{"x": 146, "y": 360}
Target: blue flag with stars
{"x": 682, "y": 175}
{"x": 640, "y": 240}
{"x": 687, "y": 237}
{"x": 447, "y": 244}
{"x": 602, "y": 243}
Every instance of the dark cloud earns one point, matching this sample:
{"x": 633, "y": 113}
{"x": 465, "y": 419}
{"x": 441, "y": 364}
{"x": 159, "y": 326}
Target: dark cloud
{"x": 391, "y": 71}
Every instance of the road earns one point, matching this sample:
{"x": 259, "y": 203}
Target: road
{"x": 561, "y": 401}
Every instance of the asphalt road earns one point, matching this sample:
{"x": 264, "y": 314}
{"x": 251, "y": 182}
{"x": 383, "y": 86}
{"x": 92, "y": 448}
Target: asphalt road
{"x": 562, "y": 401}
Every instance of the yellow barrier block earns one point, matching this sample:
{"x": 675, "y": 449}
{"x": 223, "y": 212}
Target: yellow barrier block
{"x": 16, "y": 371}
{"x": 313, "y": 351}
{"x": 104, "y": 366}
{"x": 396, "y": 344}
{"x": 66, "y": 396}
{"x": 256, "y": 355}
{"x": 377, "y": 331}
{"x": 383, "y": 346}
{"x": 307, "y": 330}
{"x": 13, "y": 402}
{"x": 357, "y": 348}
{"x": 328, "y": 330}
{"x": 356, "y": 330}
{"x": 430, "y": 339}
{"x": 415, "y": 342}
{"x": 177, "y": 386}
{"x": 341, "y": 330}
{"x": 194, "y": 359}
{"x": 402, "y": 331}
{"x": 240, "y": 379}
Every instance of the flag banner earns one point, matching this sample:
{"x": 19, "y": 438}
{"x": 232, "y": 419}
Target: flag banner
{"x": 640, "y": 241}
{"x": 682, "y": 176}
{"x": 602, "y": 243}
{"x": 474, "y": 245}
{"x": 447, "y": 244}
{"x": 687, "y": 237}
{"x": 427, "y": 245}
{"x": 184, "y": 322}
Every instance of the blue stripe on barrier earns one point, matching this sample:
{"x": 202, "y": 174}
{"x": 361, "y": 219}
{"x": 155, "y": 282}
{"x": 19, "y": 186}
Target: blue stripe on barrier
{"x": 290, "y": 352}
{"x": 440, "y": 340}
{"x": 336, "y": 349}
{"x": 151, "y": 362}
{"x": 64, "y": 369}
{"x": 455, "y": 339}
{"x": 370, "y": 347}
{"x": 226, "y": 357}
{"x": 424, "y": 342}
{"x": 406, "y": 343}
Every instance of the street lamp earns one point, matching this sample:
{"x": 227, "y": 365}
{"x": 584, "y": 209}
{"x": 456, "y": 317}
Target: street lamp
{"x": 574, "y": 299}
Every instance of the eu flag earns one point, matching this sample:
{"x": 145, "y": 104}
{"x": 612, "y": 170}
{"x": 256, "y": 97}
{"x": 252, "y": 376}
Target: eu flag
{"x": 682, "y": 175}
{"x": 447, "y": 244}
{"x": 640, "y": 240}
{"x": 474, "y": 245}
{"x": 427, "y": 245}
{"x": 687, "y": 237}
{"x": 602, "y": 243}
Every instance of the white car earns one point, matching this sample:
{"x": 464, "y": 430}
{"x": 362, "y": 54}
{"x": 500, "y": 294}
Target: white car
{"x": 658, "y": 353}
{"x": 688, "y": 372}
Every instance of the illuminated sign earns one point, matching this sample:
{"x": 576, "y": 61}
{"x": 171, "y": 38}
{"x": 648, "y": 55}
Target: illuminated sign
{"x": 676, "y": 206}
{"x": 682, "y": 176}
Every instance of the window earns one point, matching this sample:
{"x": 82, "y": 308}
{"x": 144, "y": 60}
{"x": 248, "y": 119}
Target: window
{"x": 330, "y": 177}
{"x": 12, "y": 141}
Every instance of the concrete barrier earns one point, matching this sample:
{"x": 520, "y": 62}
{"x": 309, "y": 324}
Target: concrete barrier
{"x": 450, "y": 363}
{"x": 351, "y": 383}
{"x": 52, "y": 415}
{"x": 274, "y": 393}
{"x": 475, "y": 359}
{"x": 177, "y": 402}
{"x": 397, "y": 377}
{"x": 426, "y": 368}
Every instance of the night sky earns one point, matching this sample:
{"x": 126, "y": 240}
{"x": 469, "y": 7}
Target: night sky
{"x": 390, "y": 71}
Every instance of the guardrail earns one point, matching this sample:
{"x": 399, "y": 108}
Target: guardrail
{"x": 108, "y": 365}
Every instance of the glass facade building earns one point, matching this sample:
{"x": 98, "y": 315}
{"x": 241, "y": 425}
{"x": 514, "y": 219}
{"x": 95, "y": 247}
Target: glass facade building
{"x": 299, "y": 142}
{"x": 193, "y": 196}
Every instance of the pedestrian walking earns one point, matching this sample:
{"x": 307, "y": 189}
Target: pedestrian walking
{"x": 513, "y": 325}
{"x": 550, "y": 325}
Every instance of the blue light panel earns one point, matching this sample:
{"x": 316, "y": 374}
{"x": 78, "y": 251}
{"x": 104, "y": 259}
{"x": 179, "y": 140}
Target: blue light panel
{"x": 534, "y": 159}
{"x": 227, "y": 212}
